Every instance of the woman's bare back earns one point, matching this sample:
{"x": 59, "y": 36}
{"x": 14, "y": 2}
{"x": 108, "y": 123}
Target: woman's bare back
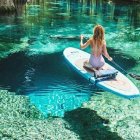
{"x": 96, "y": 50}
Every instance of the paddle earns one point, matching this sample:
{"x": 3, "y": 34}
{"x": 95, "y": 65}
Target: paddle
{"x": 137, "y": 77}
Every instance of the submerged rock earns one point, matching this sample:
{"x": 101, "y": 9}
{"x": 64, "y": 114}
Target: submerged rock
{"x": 89, "y": 125}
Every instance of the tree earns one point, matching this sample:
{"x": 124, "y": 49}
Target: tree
{"x": 7, "y": 5}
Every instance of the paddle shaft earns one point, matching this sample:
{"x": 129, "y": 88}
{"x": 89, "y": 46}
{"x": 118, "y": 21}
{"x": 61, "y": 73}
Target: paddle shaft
{"x": 119, "y": 67}
{"x": 137, "y": 77}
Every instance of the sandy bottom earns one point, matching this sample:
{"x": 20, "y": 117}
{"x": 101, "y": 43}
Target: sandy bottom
{"x": 105, "y": 116}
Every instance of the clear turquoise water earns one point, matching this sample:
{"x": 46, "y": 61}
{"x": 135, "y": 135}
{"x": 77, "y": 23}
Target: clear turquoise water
{"x": 31, "y": 46}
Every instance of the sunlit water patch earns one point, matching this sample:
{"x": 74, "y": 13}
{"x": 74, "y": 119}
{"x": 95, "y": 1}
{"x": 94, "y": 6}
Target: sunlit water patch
{"x": 56, "y": 102}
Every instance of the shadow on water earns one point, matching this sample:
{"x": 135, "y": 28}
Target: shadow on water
{"x": 19, "y": 72}
{"x": 89, "y": 126}
{"x": 13, "y": 68}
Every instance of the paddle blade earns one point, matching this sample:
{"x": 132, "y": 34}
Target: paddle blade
{"x": 137, "y": 77}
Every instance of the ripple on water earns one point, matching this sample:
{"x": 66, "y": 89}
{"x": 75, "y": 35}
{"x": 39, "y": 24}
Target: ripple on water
{"x": 56, "y": 98}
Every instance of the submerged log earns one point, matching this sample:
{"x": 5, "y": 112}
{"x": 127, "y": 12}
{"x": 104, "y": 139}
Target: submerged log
{"x": 124, "y": 1}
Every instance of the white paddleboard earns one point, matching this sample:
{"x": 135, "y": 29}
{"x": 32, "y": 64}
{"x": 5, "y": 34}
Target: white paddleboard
{"x": 121, "y": 85}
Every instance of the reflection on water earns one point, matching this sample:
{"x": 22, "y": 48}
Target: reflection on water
{"x": 40, "y": 20}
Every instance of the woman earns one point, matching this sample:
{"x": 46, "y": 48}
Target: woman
{"x": 98, "y": 47}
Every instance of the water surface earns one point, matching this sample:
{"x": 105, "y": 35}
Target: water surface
{"x": 32, "y": 44}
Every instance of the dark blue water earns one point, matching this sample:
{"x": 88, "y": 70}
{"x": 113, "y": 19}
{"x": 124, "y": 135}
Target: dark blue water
{"x": 32, "y": 44}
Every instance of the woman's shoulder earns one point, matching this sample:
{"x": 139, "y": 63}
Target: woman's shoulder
{"x": 91, "y": 39}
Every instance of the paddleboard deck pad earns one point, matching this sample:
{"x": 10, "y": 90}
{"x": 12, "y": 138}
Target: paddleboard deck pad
{"x": 119, "y": 84}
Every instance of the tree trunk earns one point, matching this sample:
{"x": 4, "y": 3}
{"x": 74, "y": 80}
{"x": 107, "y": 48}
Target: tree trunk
{"x": 7, "y": 5}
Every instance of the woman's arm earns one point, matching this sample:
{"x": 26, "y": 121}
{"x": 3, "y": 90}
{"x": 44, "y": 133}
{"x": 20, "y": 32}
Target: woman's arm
{"x": 105, "y": 53}
{"x": 84, "y": 45}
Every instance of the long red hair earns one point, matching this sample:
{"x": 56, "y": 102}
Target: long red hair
{"x": 98, "y": 36}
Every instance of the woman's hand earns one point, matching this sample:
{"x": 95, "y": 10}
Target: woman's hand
{"x": 84, "y": 45}
{"x": 110, "y": 58}
{"x": 81, "y": 37}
